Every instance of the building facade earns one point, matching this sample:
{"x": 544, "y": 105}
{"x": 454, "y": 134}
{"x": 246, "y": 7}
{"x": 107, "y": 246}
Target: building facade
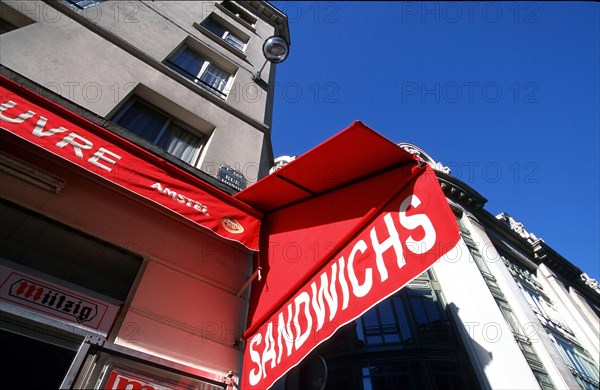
{"x": 126, "y": 126}
{"x": 112, "y": 276}
{"x": 503, "y": 310}
{"x": 189, "y": 68}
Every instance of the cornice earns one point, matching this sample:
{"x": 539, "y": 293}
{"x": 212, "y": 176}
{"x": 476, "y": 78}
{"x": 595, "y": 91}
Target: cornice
{"x": 460, "y": 193}
{"x": 272, "y": 15}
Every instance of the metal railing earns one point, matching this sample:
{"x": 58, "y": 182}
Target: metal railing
{"x": 196, "y": 80}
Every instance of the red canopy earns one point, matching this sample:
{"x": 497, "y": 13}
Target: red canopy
{"x": 350, "y": 156}
{"x": 51, "y": 128}
{"x": 346, "y": 225}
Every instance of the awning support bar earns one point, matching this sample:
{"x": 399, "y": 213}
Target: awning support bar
{"x": 250, "y": 280}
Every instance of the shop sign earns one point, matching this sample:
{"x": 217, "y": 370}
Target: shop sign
{"x": 122, "y": 380}
{"x": 381, "y": 232}
{"x": 105, "y": 154}
{"x": 51, "y": 299}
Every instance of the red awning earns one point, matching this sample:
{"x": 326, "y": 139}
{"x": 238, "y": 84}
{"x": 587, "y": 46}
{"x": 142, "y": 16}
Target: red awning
{"x": 53, "y": 128}
{"x": 350, "y": 156}
{"x": 346, "y": 225}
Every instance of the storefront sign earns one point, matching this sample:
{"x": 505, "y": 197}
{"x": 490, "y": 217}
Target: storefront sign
{"x": 105, "y": 154}
{"x": 330, "y": 258}
{"x": 56, "y": 301}
{"x": 117, "y": 378}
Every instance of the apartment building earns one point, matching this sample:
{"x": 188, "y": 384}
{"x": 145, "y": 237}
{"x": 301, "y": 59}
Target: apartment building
{"x": 126, "y": 128}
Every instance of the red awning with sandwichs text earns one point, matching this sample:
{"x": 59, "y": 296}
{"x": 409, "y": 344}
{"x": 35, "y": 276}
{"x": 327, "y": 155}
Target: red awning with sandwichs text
{"x": 346, "y": 225}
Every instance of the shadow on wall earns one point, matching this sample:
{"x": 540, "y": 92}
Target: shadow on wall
{"x": 480, "y": 357}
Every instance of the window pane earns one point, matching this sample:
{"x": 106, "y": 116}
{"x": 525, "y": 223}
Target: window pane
{"x": 432, "y": 309}
{"x": 394, "y": 375}
{"x": 370, "y": 318}
{"x": 47, "y": 247}
{"x": 386, "y": 313}
{"x": 190, "y": 62}
{"x": 161, "y": 130}
{"x": 84, "y": 3}
{"x": 142, "y": 120}
{"x": 193, "y": 66}
{"x": 180, "y": 143}
{"x": 235, "y": 41}
{"x": 214, "y": 27}
{"x": 6, "y": 26}
{"x": 418, "y": 310}
{"x": 237, "y": 11}
{"x": 447, "y": 375}
{"x": 403, "y": 321}
{"x": 215, "y": 77}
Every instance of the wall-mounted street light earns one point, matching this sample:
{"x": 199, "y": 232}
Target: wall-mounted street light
{"x": 275, "y": 49}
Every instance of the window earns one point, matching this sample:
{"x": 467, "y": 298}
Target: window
{"x": 524, "y": 343}
{"x": 43, "y": 245}
{"x": 200, "y": 70}
{"x": 11, "y": 19}
{"x": 160, "y": 129}
{"x": 414, "y": 315}
{"x": 386, "y": 323}
{"x": 393, "y": 375}
{"x": 407, "y": 341}
{"x": 6, "y": 26}
{"x": 225, "y": 33}
{"x": 539, "y": 302}
{"x": 239, "y": 12}
{"x": 84, "y": 3}
{"x": 440, "y": 373}
{"x": 20, "y": 353}
{"x": 582, "y": 367}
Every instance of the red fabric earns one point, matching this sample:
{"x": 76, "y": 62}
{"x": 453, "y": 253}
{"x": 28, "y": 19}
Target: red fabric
{"x": 297, "y": 239}
{"x": 351, "y": 155}
{"x": 307, "y": 244}
{"x": 105, "y": 154}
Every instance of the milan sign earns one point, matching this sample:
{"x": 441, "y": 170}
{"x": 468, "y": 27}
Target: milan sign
{"x": 332, "y": 256}
{"x": 105, "y": 154}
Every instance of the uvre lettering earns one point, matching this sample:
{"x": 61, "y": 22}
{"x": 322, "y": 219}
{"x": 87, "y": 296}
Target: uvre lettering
{"x": 81, "y": 147}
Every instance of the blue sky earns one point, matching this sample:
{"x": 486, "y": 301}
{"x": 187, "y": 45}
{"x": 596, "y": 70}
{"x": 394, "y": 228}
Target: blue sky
{"x": 505, "y": 94}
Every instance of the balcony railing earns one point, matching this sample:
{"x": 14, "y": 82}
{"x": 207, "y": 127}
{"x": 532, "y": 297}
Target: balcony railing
{"x": 195, "y": 79}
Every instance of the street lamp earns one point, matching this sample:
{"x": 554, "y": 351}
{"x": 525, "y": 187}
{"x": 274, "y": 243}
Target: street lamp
{"x": 275, "y": 49}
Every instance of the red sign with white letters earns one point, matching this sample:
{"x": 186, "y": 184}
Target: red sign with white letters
{"x": 330, "y": 257}
{"x": 118, "y": 378}
{"x": 63, "y": 133}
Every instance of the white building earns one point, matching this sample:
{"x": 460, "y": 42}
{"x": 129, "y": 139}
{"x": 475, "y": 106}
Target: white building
{"x": 502, "y": 310}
